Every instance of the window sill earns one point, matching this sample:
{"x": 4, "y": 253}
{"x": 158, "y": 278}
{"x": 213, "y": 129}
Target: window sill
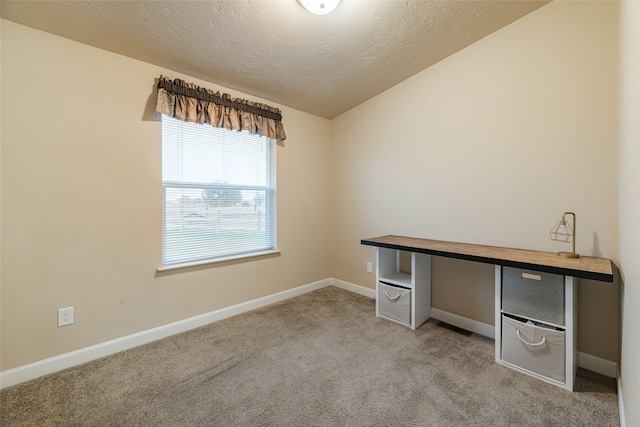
{"x": 216, "y": 260}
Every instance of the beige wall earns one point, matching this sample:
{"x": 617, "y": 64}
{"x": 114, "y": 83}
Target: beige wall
{"x": 490, "y": 146}
{"x": 629, "y": 207}
{"x": 81, "y": 203}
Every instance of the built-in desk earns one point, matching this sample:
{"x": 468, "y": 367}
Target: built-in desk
{"x": 550, "y": 262}
{"x": 535, "y": 298}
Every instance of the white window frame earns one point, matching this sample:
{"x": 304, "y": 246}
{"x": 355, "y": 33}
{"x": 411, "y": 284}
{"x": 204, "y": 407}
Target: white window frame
{"x": 270, "y": 227}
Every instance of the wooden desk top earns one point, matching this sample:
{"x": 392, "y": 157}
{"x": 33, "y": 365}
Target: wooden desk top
{"x": 549, "y": 262}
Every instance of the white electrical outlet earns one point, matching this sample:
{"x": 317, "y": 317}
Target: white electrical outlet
{"x": 370, "y": 267}
{"x": 65, "y": 316}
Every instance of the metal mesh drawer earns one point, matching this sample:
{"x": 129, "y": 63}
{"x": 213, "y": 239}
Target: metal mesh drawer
{"x": 533, "y": 294}
{"x": 394, "y": 303}
{"x": 537, "y": 349}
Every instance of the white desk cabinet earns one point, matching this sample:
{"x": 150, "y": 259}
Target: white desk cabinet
{"x": 536, "y": 324}
{"x": 403, "y": 297}
{"x": 536, "y": 296}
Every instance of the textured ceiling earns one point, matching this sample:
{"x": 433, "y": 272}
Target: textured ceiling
{"x": 276, "y": 50}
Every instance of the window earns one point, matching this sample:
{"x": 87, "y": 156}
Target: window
{"x": 218, "y": 191}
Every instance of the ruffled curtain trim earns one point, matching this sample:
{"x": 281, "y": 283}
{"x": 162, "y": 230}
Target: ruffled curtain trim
{"x": 190, "y": 103}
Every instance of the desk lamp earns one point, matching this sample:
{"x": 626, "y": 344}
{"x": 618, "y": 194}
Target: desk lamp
{"x": 563, "y": 232}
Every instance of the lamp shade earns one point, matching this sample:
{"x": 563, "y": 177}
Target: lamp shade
{"x": 563, "y": 232}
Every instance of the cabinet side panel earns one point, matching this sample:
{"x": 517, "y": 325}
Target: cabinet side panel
{"x": 421, "y": 277}
{"x": 498, "y": 307}
{"x": 571, "y": 309}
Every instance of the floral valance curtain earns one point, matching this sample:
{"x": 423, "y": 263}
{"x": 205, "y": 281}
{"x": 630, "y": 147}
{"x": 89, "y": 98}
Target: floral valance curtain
{"x": 191, "y": 103}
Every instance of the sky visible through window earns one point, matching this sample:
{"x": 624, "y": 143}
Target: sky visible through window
{"x": 202, "y": 154}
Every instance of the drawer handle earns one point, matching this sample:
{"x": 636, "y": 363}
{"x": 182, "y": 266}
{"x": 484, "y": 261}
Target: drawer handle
{"x": 531, "y": 276}
{"x": 530, "y": 344}
{"x": 390, "y": 297}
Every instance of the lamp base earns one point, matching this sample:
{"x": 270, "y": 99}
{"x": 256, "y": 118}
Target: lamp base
{"x": 568, "y": 255}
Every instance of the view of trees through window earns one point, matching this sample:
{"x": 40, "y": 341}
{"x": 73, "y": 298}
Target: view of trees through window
{"x": 218, "y": 192}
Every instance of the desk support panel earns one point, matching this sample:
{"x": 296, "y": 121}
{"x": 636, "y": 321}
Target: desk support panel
{"x": 417, "y": 282}
{"x": 570, "y": 331}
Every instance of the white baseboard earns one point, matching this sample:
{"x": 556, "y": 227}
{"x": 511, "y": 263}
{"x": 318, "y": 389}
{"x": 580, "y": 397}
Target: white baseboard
{"x": 57, "y": 363}
{"x": 623, "y": 422}
{"x": 586, "y": 361}
{"x": 483, "y": 329}
{"x": 597, "y": 364}
{"x": 352, "y": 287}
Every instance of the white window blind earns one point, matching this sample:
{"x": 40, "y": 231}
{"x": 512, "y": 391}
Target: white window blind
{"x": 218, "y": 192}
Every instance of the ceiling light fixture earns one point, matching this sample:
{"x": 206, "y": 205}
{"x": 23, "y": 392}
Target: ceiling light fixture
{"x": 319, "y": 7}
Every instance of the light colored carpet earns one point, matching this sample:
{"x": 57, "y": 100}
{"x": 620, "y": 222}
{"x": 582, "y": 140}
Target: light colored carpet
{"x": 321, "y": 359}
